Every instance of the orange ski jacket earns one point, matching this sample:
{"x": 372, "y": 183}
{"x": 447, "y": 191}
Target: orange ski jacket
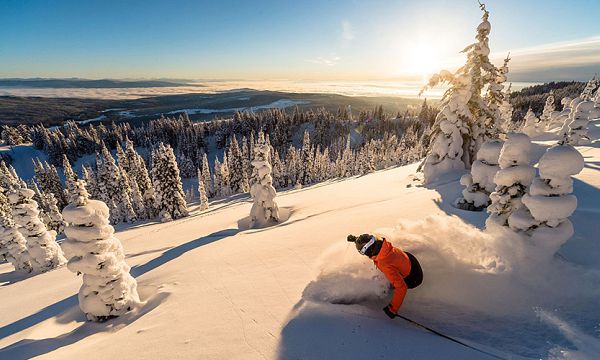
{"x": 395, "y": 265}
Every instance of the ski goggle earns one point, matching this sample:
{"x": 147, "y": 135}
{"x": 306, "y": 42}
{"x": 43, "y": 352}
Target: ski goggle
{"x": 367, "y": 245}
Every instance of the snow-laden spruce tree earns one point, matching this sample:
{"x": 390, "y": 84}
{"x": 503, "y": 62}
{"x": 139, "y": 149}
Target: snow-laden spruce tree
{"x": 451, "y": 126}
{"x": 278, "y": 171}
{"x": 588, "y": 91}
{"x": 56, "y": 222}
{"x": 170, "y": 198}
{"x": 306, "y": 160}
{"x": 506, "y": 112}
{"x": 202, "y": 191}
{"x": 89, "y": 176}
{"x": 494, "y": 99}
{"x": 207, "y": 177}
{"x": 549, "y": 202}
{"x": 531, "y": 124}
{"x": 108, "y": 181}
{"x": 238, "y": 174}
{"x": 108, "y": 290}
{"x": 13, "y": 246}
{"x": 45, "y": 253}
{"x": 513, "y": 178}
{"x": 123, "y": 207}
{"x": 561, "y": 120}
{"x": 139, "y": 172}
{"x": 546, "y": 117}
{"x": 460, "y": 126}
{"x": 264, "y": 209}
{"x": 577, "y": 131}
{"x": 479, "y": 184}
{"x": 137, "y": 201}
{"x": 70, "y": 176}
{"x": 225, "y": 177}
{"x": 218, "y": 182}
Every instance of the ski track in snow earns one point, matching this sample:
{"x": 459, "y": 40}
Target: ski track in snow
{"x": 225, "y": 292}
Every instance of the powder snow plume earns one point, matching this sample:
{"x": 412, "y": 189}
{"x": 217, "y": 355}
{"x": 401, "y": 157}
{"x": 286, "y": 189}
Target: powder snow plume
{"x": 471, "y": 277}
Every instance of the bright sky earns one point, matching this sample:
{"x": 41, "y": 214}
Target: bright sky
{"x": 291, "y": 39}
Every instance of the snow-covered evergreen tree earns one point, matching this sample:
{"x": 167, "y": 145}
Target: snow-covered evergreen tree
{"x": 561, "y": 120}
{"x": 549, "y": 202}
{"x": 577, "y": 133}
{"x": 506, "y": 112}
{"x": 460, "y": 126}
{"x": 532, "y": 125}
{"x": 225, "y": 177}
{"x": 48, "y": 179}
{"x": 264, "y": 209}
{"x": 237, "y": 172}
{"x": 70, "y": 176}
{"x": 124, "y": 208}
{"x": 513, "y": 178}
{"x": 292, "y": 161}
{"x": 588, "y": 91}
{"x": 45, "y": 253}
{"x": 170, "y": 198}
{"x": 278, "y": 171}
{"x": 494, "y": 100}
{"x": 202, "y": 191}
{"x": 108, "y": 290}
{"x": 218, "y": 182}
{"x": 89, "y": 176}
{"x": 479, "y": 184}
{"x": 451, "y": 126}
{"x": 137, "y": 201}
{"x": 207, "y": 177}
{"x": 56, "y": 222}
{"x": 306, "y": 160}
{"x": 108, "y": 182}
{"x": 548, "y": 111}
{"x": 13, "y": 246}
{"x": 138, "y": 172}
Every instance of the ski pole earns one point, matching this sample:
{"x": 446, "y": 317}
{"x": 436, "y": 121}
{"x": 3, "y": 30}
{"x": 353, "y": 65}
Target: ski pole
{"x": 450, "y": 338}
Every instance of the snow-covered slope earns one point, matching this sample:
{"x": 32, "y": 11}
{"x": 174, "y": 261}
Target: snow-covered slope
{"x": 217, "y": 290}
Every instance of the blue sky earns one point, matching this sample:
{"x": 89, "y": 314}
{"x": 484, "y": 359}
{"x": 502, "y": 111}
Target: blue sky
{"x": 350, "y": 40}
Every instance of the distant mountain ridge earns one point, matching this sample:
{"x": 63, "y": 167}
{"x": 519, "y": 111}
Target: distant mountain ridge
{"x": 89, "y": 84}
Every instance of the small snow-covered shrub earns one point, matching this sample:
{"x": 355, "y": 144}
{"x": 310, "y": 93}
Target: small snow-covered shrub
{"x": 549, "y": 202}
{"x": 480, "y": 182}
{"x": 513, "y": 178}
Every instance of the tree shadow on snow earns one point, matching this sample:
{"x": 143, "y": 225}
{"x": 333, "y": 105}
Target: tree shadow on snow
{"x": 13, "y": 277}
{"x": 29, "y": 348}
{"x": 67, "y": 310}
{"x": 583, "y": 248}
{"x": 177, "y": 251}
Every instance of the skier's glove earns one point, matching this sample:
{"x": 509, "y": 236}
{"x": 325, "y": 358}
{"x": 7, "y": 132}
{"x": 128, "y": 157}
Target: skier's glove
{"x": 389, "y": 312}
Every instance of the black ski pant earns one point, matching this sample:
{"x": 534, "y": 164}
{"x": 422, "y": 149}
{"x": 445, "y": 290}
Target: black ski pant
{"x": 415, "y": 277}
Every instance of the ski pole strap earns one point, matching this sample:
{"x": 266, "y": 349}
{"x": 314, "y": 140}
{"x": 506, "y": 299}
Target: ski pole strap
{"x": 450, "y": 338}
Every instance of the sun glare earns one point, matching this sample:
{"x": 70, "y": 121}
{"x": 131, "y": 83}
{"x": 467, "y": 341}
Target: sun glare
{"x": 422, "y": 61}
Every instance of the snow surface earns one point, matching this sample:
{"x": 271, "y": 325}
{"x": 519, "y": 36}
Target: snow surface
{"x": 215, "y": 290}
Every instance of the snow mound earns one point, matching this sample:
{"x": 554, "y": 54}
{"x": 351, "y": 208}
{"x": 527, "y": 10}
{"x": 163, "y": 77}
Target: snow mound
{"x": 516, "y": 150}
{"x": 561, "y": 161}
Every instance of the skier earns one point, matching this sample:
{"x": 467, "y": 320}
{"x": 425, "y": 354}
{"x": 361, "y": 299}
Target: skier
{"x": 401, "y": 268}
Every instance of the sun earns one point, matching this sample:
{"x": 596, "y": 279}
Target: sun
{"x": 422, "y": 61}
